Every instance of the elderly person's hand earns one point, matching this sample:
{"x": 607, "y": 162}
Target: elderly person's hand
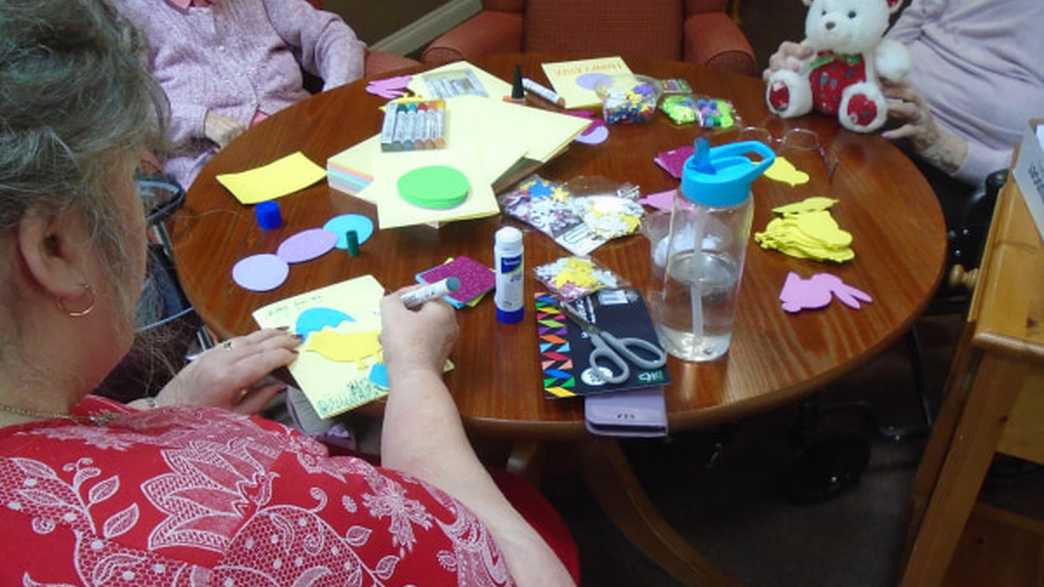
{"x": 221, "y": 129}
{"x": 233, "y": 375}
{"x": 931, "y": 142}
{"x": 790, "y": 56}
{"x": 416, "y": 341}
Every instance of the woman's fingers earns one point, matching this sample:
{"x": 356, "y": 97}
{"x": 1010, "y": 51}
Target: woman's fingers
{"x": 251, "y": 369}
{"x": 905, "y": 131}
{"x": 904, "y": 110}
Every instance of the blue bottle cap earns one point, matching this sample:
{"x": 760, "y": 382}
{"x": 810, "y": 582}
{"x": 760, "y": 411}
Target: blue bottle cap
{"x": 721, "y": 176}
{"x": 268, "y": 216}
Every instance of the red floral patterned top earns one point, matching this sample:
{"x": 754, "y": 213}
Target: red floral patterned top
{"x": 202, "y": 496}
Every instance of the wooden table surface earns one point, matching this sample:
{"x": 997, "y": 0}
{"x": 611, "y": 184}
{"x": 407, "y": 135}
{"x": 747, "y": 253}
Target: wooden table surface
{"x": 775, "y": 357}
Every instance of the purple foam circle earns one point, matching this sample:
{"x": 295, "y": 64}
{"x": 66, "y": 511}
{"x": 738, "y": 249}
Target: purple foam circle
{"x": 260, "y": 272}
{"x": 307, "y": 245}
{"x": 594, "y": 135}
{"x": 590, "y": 81}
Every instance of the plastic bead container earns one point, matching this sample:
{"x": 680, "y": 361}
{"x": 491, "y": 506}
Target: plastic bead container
{"x": 629, "y": 99}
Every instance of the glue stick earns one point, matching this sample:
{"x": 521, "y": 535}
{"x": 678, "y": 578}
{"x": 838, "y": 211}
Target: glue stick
{"x": 508, "y": 256}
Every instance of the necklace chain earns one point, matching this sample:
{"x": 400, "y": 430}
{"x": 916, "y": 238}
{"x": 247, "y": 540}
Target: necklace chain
{"x": 97, "y": 419}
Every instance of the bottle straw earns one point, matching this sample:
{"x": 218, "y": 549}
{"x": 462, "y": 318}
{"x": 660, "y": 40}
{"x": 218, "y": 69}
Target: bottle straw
{"x": 696, "y": 287}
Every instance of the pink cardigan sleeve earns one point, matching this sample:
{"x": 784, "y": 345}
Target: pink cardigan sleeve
{"x": 322, "y": 42}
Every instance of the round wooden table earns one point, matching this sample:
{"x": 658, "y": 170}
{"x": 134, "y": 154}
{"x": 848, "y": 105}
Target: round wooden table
{"x": 775, "y": 358}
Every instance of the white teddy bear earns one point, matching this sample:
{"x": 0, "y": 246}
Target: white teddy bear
{"x": 842, "y": 77}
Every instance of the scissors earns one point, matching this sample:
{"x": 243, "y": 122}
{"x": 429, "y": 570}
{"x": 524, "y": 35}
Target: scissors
{"x": 616, "y": 350}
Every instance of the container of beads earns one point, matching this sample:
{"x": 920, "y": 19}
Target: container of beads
{"x": 629, "y": 99}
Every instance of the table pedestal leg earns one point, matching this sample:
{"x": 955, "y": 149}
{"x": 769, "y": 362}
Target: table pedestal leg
{"x": 611, "y": 480}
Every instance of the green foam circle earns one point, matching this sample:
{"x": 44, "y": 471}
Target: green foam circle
{"x": 438, "y": 187}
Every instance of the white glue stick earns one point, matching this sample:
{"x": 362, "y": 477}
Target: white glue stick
{"x": 507, "y": 255}
{"x": 432, "y": 291}
{"x": 545, "y": 93}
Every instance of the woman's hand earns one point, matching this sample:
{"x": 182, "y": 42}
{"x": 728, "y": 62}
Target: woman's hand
{"x": 416, "y": 341}
{"x": 233, "y": 375}
{"x": 790, "y": 56}
{"x": 932, "y": 143}
{"x": 221, "y": 129}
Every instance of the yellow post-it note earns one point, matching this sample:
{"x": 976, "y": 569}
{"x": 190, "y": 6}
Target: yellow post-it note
{"x": 436, "y": 82}
{"x": 784, "y": 171}
{"x": 268, "y": 182}
{"x": 575, "y": 81}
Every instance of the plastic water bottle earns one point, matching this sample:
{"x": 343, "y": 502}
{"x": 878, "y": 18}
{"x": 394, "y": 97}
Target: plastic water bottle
{"x": 694, "y": 299}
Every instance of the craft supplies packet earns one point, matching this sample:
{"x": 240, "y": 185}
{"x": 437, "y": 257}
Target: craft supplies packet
{"x": 608, "y": 207}
{"x": 571, "y": 278}
{"x": 545, "y": 205}
{"x": 675, "y": 86}
{"x": 704, "y": 111}
{"x": 565, "y": 349}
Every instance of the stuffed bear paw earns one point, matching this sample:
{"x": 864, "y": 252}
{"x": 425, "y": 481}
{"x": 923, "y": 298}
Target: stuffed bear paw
{"x": 788, "y": 94}
{"x": 863, "y": 108}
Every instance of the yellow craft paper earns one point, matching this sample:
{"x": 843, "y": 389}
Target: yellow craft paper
{"x": 279, "y": 178}
{"x": 332, "y": 387}
{"x": 563, "y": 74}
{"x": 345, "y": 347}
{"x": 784, "y": 171}
{"x": 495, "y": 87}
{"x": 495, "y": 124}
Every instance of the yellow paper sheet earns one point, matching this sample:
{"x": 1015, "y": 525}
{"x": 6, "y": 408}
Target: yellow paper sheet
{"x": 279, "y": 178}
{"x": 333, "y": 387}
{"x": 563, "y": 74}
{"x": 495, "y": 124}
{"x": 494, "y": 86}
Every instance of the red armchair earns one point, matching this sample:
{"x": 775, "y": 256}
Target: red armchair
{"x": 693, "y": 30}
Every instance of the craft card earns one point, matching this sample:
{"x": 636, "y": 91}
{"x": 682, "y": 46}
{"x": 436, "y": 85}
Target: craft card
{"x": 342, "y": 322}
{"x": 565, "y": 349}
{"x": 279, "y": 178}
{"x": 576, "y": 81}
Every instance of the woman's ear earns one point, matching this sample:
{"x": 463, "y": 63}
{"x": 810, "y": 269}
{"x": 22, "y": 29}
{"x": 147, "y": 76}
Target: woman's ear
{"x": 55, "y": 249}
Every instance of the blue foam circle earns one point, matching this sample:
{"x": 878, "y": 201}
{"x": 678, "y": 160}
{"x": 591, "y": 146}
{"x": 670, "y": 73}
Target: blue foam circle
{"x": 315, "y": 319}
{"x": 340, "y": 225}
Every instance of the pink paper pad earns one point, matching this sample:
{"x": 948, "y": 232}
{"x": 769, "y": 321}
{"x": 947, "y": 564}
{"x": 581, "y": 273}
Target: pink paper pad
{"x": 475, "y": 278}
{"x": 673, "y": 161}
{"x": 307, "y": 245}
{"x": 818, "y": 291}
{"x": 260, "y": 272}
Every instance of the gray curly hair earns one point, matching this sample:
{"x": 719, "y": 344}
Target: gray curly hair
{"x": 76, "y": 99}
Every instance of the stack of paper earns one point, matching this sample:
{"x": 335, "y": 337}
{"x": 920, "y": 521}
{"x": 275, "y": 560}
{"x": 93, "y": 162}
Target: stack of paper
{"x": 485, "y": 137}
{"x": 281, "y": 177}
{"x": 807, "y": 231}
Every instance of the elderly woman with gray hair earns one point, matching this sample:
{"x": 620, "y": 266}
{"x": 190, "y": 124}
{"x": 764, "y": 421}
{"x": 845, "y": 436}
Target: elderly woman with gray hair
{"x": 190, "y": 492}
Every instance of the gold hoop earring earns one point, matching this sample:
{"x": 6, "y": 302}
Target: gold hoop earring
{"x": 88, "y": 291}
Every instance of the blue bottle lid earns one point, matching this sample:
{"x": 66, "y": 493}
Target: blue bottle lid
{"x": 510, "y": 317}
{"x": 268, "y": 216}
{"x": 720, "y": 177}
